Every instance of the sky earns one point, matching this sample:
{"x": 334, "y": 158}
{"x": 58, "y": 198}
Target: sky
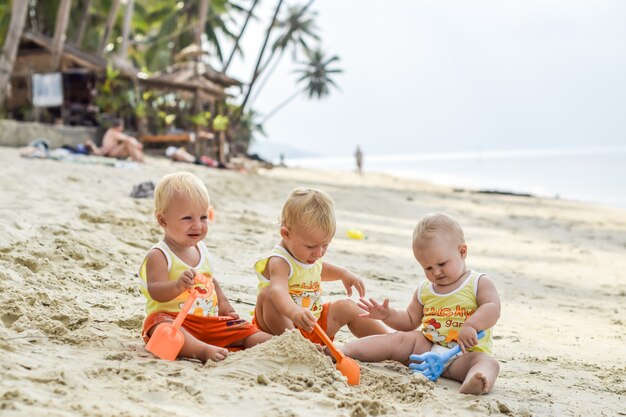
{"x": 456, "y": 75}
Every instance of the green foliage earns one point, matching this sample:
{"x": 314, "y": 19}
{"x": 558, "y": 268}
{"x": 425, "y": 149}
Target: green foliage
{"x": 42, "y": 16}
{"x": 141, "y": 109}
{"x": 5, "y": 20}
{"x": 167, "y": 27}
{"x": 317, "y": 73}
{"x": 160, "y": 29}
{"x": 220, "y": 123}
{"x": 297, "y": 27}
{"x": 201, "y": 119}
{"x": 114, "y": 94}
{"x": 166, "y": 118}
{"x": 244, "y": 132}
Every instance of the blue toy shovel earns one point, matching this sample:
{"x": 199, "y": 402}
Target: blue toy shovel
{"x": 432, "y": 363}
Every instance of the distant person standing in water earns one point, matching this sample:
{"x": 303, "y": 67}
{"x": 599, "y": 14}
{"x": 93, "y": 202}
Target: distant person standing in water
{"x": 359, "y": 160}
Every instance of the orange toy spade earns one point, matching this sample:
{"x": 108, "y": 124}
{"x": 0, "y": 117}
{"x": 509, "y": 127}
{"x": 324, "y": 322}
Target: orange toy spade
{"x": 167, "y": 340}
{"x": 347, "y": 366}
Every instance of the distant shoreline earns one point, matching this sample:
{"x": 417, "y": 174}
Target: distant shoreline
{"x": 589, "y": 175}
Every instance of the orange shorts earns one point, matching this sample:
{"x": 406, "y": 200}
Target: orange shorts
{"x": 313, "y": 337}
{"x": 216, "y": 331}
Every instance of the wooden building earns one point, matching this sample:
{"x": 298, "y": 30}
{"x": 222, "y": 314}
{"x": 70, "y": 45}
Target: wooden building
{"x": 81, "y": 73}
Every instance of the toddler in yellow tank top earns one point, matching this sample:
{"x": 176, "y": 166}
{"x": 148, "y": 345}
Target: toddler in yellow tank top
{"x": 290, "y": 276}
{"x": 212, "y": 327}
{"x": 451, "y": 306}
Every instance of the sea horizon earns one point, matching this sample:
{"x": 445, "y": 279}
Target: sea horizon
{"x": 590, "y": 174}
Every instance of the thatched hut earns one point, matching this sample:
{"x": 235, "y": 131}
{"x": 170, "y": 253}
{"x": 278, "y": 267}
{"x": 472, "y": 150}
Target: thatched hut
{"x": 197, "y": 83}
{"x": 67, "y": 91}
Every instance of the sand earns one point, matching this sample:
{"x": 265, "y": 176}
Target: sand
{"x": 71, "y": 240}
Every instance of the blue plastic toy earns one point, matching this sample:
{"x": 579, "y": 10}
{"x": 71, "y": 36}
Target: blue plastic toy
{"x": 432, "y": 363}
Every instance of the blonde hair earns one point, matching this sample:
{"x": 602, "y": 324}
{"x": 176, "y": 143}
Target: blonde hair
{"x": 177, "y": 184}
{"x": 311, "y": 209}
{"x": 434, "y": 224}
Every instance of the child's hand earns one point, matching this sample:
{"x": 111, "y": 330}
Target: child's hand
{"x": 304, "y": 320}
{"x": 374, "y": 310}
{"x": 353, "y": 281}
{"x": 468, "y": 337}
{"x": 186, "y": 280}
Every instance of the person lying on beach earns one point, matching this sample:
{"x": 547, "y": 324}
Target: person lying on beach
{"x": 290, "y": 276}
{"x": 117, "y": 144}
{"x": 180, "y": 154}
{"x": 182, "y": 208}
{"x": 452, "y": 305}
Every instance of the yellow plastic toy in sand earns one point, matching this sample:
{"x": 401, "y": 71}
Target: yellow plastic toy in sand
{"x": 355, "y": 234}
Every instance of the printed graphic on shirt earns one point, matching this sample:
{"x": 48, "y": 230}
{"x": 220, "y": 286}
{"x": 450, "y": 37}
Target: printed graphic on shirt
{"x": 206, "y": 307}
{"x": 443, "y": 328}
{"x": 307, "y": 299}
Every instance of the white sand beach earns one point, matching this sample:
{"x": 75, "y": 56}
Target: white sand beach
{"x": 71, "y": 240}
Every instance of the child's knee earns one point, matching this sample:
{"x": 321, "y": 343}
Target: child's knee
{"x": 494, "y": 362}
{"x": 345, "y": 307}
{"x": 263, "y": 295}
{"x": 483, "y": 358}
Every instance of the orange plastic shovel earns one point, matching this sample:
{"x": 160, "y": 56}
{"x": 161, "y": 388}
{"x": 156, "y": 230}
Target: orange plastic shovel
{"x": 167, "y": 339}
{"x": 347, "y": 366}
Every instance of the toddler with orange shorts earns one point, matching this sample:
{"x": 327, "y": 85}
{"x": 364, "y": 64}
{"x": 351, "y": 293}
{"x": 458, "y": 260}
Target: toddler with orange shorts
{"x": 212, "y": 327}
{"x": 290, "y": 276}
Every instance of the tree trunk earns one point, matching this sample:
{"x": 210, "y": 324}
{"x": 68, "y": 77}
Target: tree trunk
{"x": 60, "y": 28}
{"x": 278, "y": 59}
{"x": 11, "y": 44}
{"x": 255, "y": 74}
{"x": 202, "y": 14}
{"x": 82, "y": 26}
{"x": 243, "y": 28}
{"x": 281, "y": 105}
{"x": 268, "y": 75}
{"x": 128, "y": 17}
{"x": 108, "y": 28}
{"x": 266, "y": 64}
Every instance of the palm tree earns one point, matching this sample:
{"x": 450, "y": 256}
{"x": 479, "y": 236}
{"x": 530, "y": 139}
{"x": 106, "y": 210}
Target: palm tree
{"x": 128, "y": 17}
{"x": 82, "y": 25}
{"x": 108, "y": 28}
{"x": 202, "y": 17}
{"x": 171, "y": 29}
{"x": 42, "y": 16}
{"x": 249, "y": 14}
{"x": 9, "y": 51}
{"x": 218, "y": 21}
{"x": 60, "y": 28}
{"x": 317, "y": 74}
{"x": 298, "y": 27}
{"x": 245, "y": 132}
{"x": 255, "y": 73}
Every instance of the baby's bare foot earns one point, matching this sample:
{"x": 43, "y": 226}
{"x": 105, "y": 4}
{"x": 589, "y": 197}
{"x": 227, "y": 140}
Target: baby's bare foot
{"x": 215, "y": 354}
{"x": 476, "y": 384}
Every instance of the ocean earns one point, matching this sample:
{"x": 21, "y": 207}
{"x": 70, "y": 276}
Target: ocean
{"x": 596, "y": 175}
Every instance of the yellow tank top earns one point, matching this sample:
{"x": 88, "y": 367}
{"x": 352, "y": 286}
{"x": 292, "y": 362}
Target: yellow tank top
{"x": 175, "y": 266}
{"x": 445, "y": 313}
{"x": 304, "y": 279}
